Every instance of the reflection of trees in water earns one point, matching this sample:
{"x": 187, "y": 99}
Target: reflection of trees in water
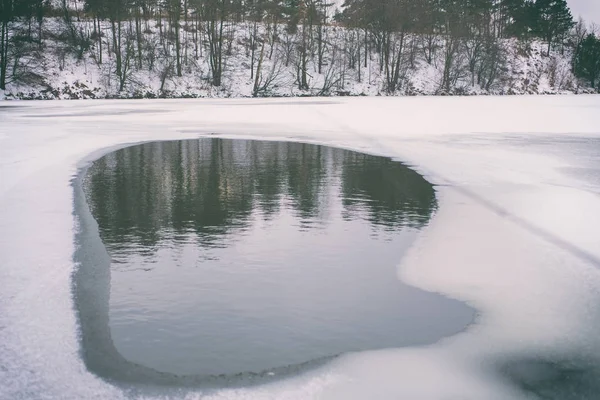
{"x": 145, "y": 193}
{"x": 305, "y": 173}
{"x": 392, "y": 194}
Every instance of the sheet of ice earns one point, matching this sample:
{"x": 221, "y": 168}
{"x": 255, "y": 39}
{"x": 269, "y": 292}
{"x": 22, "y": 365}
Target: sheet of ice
{"x": 517, "y": 234}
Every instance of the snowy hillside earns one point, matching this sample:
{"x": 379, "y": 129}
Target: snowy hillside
{"x": 56, "y": 72}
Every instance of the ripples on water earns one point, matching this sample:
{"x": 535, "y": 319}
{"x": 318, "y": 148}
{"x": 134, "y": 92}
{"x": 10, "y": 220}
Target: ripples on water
{"x": 232, "y": 255}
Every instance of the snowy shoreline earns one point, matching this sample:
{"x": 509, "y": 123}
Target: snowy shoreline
{"x": 537, "y": 301}
{"x": 54, "y": 73}
{"x": 33, "y": 96}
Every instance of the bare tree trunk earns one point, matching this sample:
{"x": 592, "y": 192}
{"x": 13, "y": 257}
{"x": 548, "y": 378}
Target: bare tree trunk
{"x": 116, "y": 36}
{"x": 3, "y": 51}
{"x": 451, "y": 49}
{"x": 253, "y": 47}
{"x": 176, "y": 14}
{"x": 359, "y": 62}
{"x": 215, "y": 40}
{"x": 258, "y": 68}
{"x": 138, "y": 35}
{"x": 159, "y": 22}
{"x": 392, "y": 59}
{"x": 187, "y": 29}
{"x": 273, "y": 37}
{"x": 99, "y": 41}
{"x": 399, "y": 54}
{"x": 303, "y": 84}
{"x": 129, "y": 54}
{"x": 320, "y": 47}
{"x": 220, "y": 58}
{"x": 366, "y": 48}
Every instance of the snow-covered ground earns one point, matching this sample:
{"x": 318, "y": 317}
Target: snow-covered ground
{"x": 517, "y": 236}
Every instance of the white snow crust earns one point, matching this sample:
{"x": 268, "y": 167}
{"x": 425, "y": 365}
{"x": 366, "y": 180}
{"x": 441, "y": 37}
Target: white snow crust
{"x": 516, "y": 236}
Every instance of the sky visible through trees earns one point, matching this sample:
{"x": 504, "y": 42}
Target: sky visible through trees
{"x": 586, "y": 9}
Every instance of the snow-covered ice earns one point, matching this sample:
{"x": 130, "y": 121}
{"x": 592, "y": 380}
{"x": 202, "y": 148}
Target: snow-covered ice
{"x": 516, "y": 236}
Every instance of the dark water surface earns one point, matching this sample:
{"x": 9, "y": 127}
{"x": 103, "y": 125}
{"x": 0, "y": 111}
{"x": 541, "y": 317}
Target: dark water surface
{"x": 233, "y": 256}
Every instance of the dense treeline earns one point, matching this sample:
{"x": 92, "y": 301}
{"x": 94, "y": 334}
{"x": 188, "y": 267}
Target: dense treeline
{"x": 170, "y": 36}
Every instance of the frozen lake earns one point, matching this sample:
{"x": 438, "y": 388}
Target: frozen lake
{"x": 237, "y": 256}
{"x": 515, "y": 235}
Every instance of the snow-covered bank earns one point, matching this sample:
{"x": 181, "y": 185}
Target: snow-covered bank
{"x": 54, "y": 72}
{"x": 516, "y": 236}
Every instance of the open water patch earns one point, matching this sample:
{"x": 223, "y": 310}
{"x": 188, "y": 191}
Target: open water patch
{"x": 238, "y": 261}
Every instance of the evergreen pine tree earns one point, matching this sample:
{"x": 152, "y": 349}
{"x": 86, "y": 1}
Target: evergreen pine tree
{"x": 586, "y": 63}
{"x": 553, "y": 20}
{"x": 520, "y": 18}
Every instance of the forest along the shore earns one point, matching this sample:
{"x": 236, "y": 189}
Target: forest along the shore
{"x": 70, "y": 49}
